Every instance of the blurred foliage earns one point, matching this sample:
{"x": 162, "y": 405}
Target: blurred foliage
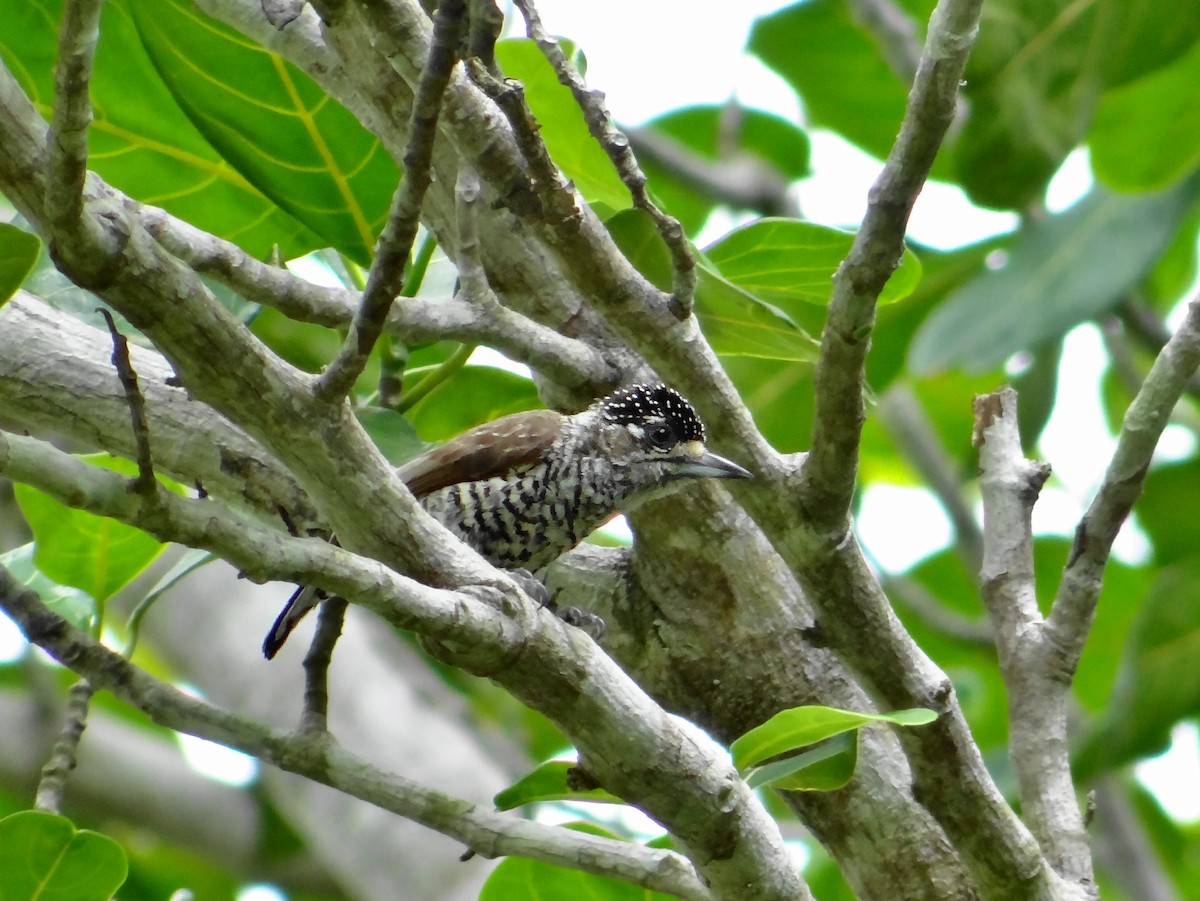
{"x": 227, "y": 136}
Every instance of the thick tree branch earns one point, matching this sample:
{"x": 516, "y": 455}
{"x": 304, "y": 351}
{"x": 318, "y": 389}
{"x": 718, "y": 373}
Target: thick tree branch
{"x": 66, "y": 140}
{"x": 396, "y": 242}
{"x": 609, "y": 718}
{"x": 829, "y": 473}
{"x": 313, "y": 755}
{"x": 616, "y": 145}
{"x": 56, "y": 380}
{"x": 567, "y": 361}
{"x": 1038, "y": 693}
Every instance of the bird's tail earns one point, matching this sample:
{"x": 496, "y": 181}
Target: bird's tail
{"x": 304, "y": 599}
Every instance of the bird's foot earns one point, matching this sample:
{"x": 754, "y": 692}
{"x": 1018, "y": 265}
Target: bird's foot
{"x": 593, "y": 625}
{"x": 573, "y": 616}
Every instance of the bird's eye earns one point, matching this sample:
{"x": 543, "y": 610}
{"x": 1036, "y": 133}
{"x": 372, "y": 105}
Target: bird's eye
{"x": 661, "y": 436}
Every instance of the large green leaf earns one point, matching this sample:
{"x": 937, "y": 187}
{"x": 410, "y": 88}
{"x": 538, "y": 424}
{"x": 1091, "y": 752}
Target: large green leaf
{"x": 1059, "y": 273}
{"x": 140, "y": 140}
{"x": 1146, "y": 134}
{"x": 785, "y": 261}
{"x": 43, "y": 857}
{"x": 837, "y": 69}
{"x": 562, "y": 124}
{"x": 73, "y": 547}
{"x": 1033, "y": 78}
{"x": 798, "y": 727}
{"x": 735, "y": 322}
{"x": 721, "y": 134}
{"x": 18, "y": 253}
{"x": 273, "y": 124}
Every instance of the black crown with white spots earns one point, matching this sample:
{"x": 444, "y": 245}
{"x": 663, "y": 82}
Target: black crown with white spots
{"x": 640, "y": 404}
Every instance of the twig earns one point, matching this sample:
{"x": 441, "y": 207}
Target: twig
{"x": 828, "y": 478}
{"x": 568, "y": 361}
{"x": 63, "y": 755}
{"x": 332, "y": 615}
{"x": 312, "y": 755}
{"x": 145, "y": 484}
{"x": 1071, "y": 615}
{"x": 486, "y": 24}
{"x": 1037, "y": 688}
{"x": 395, "y": 244}
{"x": 616, "y": 145}
{"x": 66, "y": 142}
{"x": 452, "y": 364}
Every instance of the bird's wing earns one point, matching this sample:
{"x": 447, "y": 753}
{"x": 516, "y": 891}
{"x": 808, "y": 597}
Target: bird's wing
{"x": 498, "y": 448}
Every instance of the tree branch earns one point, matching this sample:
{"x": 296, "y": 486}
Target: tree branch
{"x": 1038, "y": 693}
{"x": 66, "y": 140}
{"x": 568, "y": 361}
{"x": 608, "y": 717}
{"x": 63, "y": 754}
{"x": 616, "y": 146}
{"x": 312, "y": 755}
{"x": 395, "y": 244}
{"x": 1071, "y": 615}
{"x": 828, "y": 476}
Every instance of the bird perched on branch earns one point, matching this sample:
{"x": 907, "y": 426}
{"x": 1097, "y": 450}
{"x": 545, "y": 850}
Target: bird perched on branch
{"x": 526, "y": 488}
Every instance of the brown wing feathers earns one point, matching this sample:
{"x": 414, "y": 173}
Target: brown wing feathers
{"x": 495, "y": 448}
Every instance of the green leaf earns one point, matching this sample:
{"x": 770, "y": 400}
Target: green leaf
{"x": 392, "y": 433}
{"x": 1146, "y": 134}
{"x": 800, "y": 726}
{"x": 735, "y": 322}
{"x": 93, "y": 553}
{"x": 18, "y": 252}
{"x": 286, "y": 137}
{"x": 713, "y": 133}
{"x": 43, "y": 857}
{"x": 826, "y": 767}
{"x": 562, "y": 124}
{"x": 140, "y": 141}
{"x": 473, "y": 395}
{"x": 837, "y": 69}
{"x": 785, "y": 261}
{"x": 532, "y": 880}
{"x": 549, "y": 782}
{"x": 75, "y": 606}
{"x": 1159, "y": 679}
{"x": 1059, "y": 273}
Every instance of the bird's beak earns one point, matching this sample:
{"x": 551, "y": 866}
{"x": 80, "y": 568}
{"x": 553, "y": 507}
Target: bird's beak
{"x": 710, "y": 466}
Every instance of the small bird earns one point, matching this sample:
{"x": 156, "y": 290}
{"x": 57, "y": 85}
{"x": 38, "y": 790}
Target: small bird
{"x": 526, "y": 488}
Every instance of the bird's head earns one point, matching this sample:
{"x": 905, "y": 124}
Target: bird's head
{"x": 657, "y": 436}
